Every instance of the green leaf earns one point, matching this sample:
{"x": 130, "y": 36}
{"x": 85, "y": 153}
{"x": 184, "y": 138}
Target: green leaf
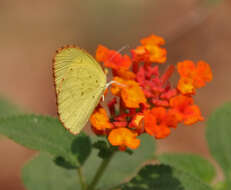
{"x": 7, "y": 108}
{"x": 122, "y": 164}
{"x": 221, "y": 186}
{"x": 81, "y": 147}
{"x": 218, "y": 136}
{"x": 46, "y": 134}
{"x": 154, "y": 177}
{"x": 60, "y": 161}
{"x": 104, "y": 148}
{"x": 163, "y": 177}
{"x": 190, "y": 182}
{"x": 42, "y": 174}
{"x": 192, "y": 164}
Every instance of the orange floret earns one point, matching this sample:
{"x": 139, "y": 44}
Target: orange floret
{"x": 140, "y": 54}
{"x": 101, "y": 53}
{"x": 112, "y": 59}
{"x": 150, "y": 50}
{"x": 130, "y": 92}
{"x": 99, "y": 119}
{"x": 152, "y": 43}
{"x": 192, "y": 115}
{"x": 185, "y": 85}
{"x": 185, "y": 110}
{"x": 193, "y": 76}
{"x": 132, "y": 95}
{"x": 152, "y": 40}
{"x": 124, "y": 137}
{"x": 205, "y": 74}
{"x": 156, "y": 122}
{"x": 125, "y": 74}
{"x": 137, "y": 123}
{"x": 186, "y": 69}
{"x": 156, "y": 54}
{"x": 149, "y": 53}
{"x": 116, "y": 88}
{"x": 137, "y": 120}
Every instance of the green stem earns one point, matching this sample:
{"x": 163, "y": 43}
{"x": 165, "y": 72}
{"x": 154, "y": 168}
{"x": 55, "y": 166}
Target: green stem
{"x": 100, "y": 171}
{"x": 81, "y": 179}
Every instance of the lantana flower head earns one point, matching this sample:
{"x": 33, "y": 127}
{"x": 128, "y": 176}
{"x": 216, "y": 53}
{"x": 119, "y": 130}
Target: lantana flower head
{"x": 144, "y": 100}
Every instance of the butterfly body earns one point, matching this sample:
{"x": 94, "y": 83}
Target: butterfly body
{"x": 80, "y": 83}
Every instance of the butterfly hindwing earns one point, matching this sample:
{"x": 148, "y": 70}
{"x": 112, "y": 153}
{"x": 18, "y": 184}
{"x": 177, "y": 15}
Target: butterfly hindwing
{"x": 80, "y": 83}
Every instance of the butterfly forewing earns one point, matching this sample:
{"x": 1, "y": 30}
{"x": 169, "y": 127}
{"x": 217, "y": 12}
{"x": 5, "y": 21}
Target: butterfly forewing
{"x": 80, "y": 83}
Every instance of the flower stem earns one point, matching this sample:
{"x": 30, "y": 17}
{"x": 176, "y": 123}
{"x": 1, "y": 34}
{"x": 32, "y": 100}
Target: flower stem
{"x": 81, "y": 178}
{"x": 100, "y": 171}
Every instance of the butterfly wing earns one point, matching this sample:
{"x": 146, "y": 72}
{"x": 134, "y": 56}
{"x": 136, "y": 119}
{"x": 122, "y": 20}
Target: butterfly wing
{"x": 80, "y": 83}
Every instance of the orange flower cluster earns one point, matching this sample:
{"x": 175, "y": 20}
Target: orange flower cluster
{"x": 193, "y": 76}
{"x": 144, "y": 100}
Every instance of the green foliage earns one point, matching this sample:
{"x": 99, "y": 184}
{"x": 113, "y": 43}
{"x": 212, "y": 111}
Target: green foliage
{"x": 176, "y": 172}
{"x": 81, "y": 147}
{"x": 122, "y": 165}
{"x": 190, "y": 182}
{"x": 60, "y": 161}
{"x": 7, "y": 108}
{"x": 104, "y": 148}
{"x": 218, "y": 136}
{"x": 221, "y": 186}
{"x": 46, "y": 134}
{"x": 191, "y": 164}
{"x": 163, "y": 177}
{"x": 42, "y": 173}
{"x": 154, "y": 177}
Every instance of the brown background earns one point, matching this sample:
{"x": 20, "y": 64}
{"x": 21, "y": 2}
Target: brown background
{"x": 30, "y": 32}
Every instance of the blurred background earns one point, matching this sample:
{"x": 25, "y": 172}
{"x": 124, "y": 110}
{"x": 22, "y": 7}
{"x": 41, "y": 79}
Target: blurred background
{"x": 31, "y": 31}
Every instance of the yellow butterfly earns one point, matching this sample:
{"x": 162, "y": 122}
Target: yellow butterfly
{"x": 79, "y": 82}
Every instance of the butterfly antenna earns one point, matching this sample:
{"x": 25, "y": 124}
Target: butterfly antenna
{"x": 114, "y": 82}
{"x": 109, "y": 84}
{"x": 119, "y": 50}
